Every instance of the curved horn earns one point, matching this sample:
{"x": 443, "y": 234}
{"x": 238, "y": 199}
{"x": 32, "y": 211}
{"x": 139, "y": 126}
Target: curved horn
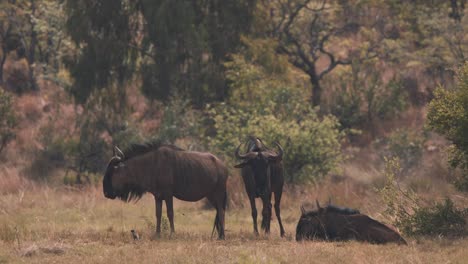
{"x": 119, "y": 152}
{"x": 303, "y": 211}
{"x": 318, "y": 205}
{"x": 279, "y": 155}
{"x": 240, "y": 156}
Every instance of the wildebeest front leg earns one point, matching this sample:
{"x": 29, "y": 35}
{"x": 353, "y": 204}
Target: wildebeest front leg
{"x": 170, "y": 213}
{"x": 158, "y": 215}
{"x": 254, "y": 213}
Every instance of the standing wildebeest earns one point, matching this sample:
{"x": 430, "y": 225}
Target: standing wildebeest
{"x": 340, "y": 224}
{"x": 167, "y": 171}
{"x": 262, "y": 172}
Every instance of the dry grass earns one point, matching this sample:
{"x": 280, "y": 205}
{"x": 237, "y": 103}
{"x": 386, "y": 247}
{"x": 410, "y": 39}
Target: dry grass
{"x": 50, "y": 225}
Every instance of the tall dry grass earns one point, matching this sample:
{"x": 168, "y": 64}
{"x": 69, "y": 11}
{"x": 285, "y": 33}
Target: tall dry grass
{"x": 68, "y": 225}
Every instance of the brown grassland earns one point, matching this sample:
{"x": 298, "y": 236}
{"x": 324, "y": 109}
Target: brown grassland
{"x": 42, "y": 224}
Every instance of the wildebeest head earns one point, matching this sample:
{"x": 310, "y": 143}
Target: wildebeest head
{"x": 258, "y": 157}
{"x": 117, "y": 179}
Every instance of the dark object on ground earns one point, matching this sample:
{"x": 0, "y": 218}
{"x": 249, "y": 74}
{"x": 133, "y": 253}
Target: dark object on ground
{"x": 334, "y": 223}
{"x": 135, "y": 235}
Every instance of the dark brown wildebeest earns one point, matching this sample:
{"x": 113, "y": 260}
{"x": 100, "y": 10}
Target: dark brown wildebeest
{"x": 262, "y": 172}
{"x": 341, "y": 224}
{"x": 167, "y": 171}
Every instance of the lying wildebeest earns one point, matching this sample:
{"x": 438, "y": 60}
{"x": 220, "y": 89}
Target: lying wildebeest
{"x": 340, "y": 224}
{"x": 262, "y": 172}
{"x": 167, "y": 171}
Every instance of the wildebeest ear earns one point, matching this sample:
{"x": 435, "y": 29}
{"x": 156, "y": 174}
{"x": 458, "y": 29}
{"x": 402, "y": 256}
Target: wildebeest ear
{"x": 240, "y": 165}
{"x": 318, "y": 205}
{"x": 303, "y": 211}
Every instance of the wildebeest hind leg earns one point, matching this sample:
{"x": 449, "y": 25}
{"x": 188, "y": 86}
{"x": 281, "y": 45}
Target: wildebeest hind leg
{"x": 218, "y": 201}
{"x": 158, "y": 202}
{"x": 277, "y": 211}
{"x": 170, "y": 213}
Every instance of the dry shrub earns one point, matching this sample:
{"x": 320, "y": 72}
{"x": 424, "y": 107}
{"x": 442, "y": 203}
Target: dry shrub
{"x": 11, "y": 181}
{"x": 17, "y": 76}
{"x": 31, "y": 107}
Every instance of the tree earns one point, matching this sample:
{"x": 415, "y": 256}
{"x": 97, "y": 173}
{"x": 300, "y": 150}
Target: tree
{"x": 7, "y": 120}
{"x": 306, "y": 31}
{"x": 34, "y": 30}
{"x": 176, "y": 46}
{"x": 448, "y": 115}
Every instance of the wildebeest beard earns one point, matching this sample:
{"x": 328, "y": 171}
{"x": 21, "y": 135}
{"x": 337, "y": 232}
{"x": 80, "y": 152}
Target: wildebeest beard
{"x": 131, "y": 192}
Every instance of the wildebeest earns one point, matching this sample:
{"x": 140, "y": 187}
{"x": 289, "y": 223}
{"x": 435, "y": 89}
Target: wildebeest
{"x": 167, "y": 171}
{"x": 262, "y": 172}
{"x": 341, "y": 224}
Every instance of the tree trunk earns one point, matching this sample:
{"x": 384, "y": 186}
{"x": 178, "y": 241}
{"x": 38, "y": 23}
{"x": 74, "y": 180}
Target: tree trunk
{"x": 2, "y": 62}
{"x": 316, "y": 88}
{"x": 32, "y": 49}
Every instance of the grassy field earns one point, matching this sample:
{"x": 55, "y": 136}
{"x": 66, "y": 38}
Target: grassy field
{"x": 47, "y": 225}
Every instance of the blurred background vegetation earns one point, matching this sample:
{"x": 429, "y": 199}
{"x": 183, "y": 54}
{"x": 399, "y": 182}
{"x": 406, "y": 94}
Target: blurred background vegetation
{"x": 342, "y": 85}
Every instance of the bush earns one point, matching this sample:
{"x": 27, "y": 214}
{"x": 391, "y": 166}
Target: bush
{"x": 363, "y": 99}
{"x": 448, "y": 116}
{"x": 407, "y": 145}
{"x": 178, "y": 121}
{"x": 272, "y": 107}
{"x": 7, "y": 119}
{"x": 410, "y": 215}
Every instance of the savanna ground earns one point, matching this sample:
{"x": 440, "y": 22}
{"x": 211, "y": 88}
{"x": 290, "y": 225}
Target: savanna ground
{"x": 42, "y": 224}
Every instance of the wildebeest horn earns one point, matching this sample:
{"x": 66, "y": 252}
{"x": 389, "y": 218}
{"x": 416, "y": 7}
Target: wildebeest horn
{"x": 119, "y": 152}
{"x": 240, "y": 156}
{"x": 303, "y": 210}
{"x": 318, "y": 205}
{"x": 280, "y": 154}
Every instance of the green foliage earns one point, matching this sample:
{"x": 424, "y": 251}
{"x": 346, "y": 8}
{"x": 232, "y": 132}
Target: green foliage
{"x": 408, "y": 213}
{"x": 272, "y": 107}
{"x": 406, "y": 145}
{"x": 176, "y": 46}
{"x": 363, "y": 99}
{"x": 7, "y": 119}
{"x": 178, "y": 121}
{"x": 448, "y": 115}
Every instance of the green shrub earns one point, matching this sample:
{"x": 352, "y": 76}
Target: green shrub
{"x": 362, "y": 98}
{"x": 7, "y": 119}
{"x": 179, "y": 120}
{"x": 448, "y": 115}
{"x": 274, "y": 108}
{"x": 407, "y": 145}
{"x": 409, "y": 214}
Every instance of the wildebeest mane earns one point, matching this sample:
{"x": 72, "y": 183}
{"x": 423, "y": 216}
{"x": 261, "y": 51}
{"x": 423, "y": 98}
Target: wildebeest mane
{"x": 333, "y": 209}
{"x": 341, "y": 210}
{"x": 140, "y": 149}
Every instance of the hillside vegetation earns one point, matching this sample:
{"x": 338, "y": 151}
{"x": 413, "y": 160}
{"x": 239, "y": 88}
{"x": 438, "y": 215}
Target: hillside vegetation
{"x": 369, "y": 99}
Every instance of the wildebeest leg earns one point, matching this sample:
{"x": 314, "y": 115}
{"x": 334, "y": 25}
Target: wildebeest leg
{"x": 277, "y": 211}
{"x": 158, "y": 215}
{"x": 170, "y": 212}
{"x": 266, "y": 212}
{"x": 218, "y": 200}
{"x": 254, "y": 213}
